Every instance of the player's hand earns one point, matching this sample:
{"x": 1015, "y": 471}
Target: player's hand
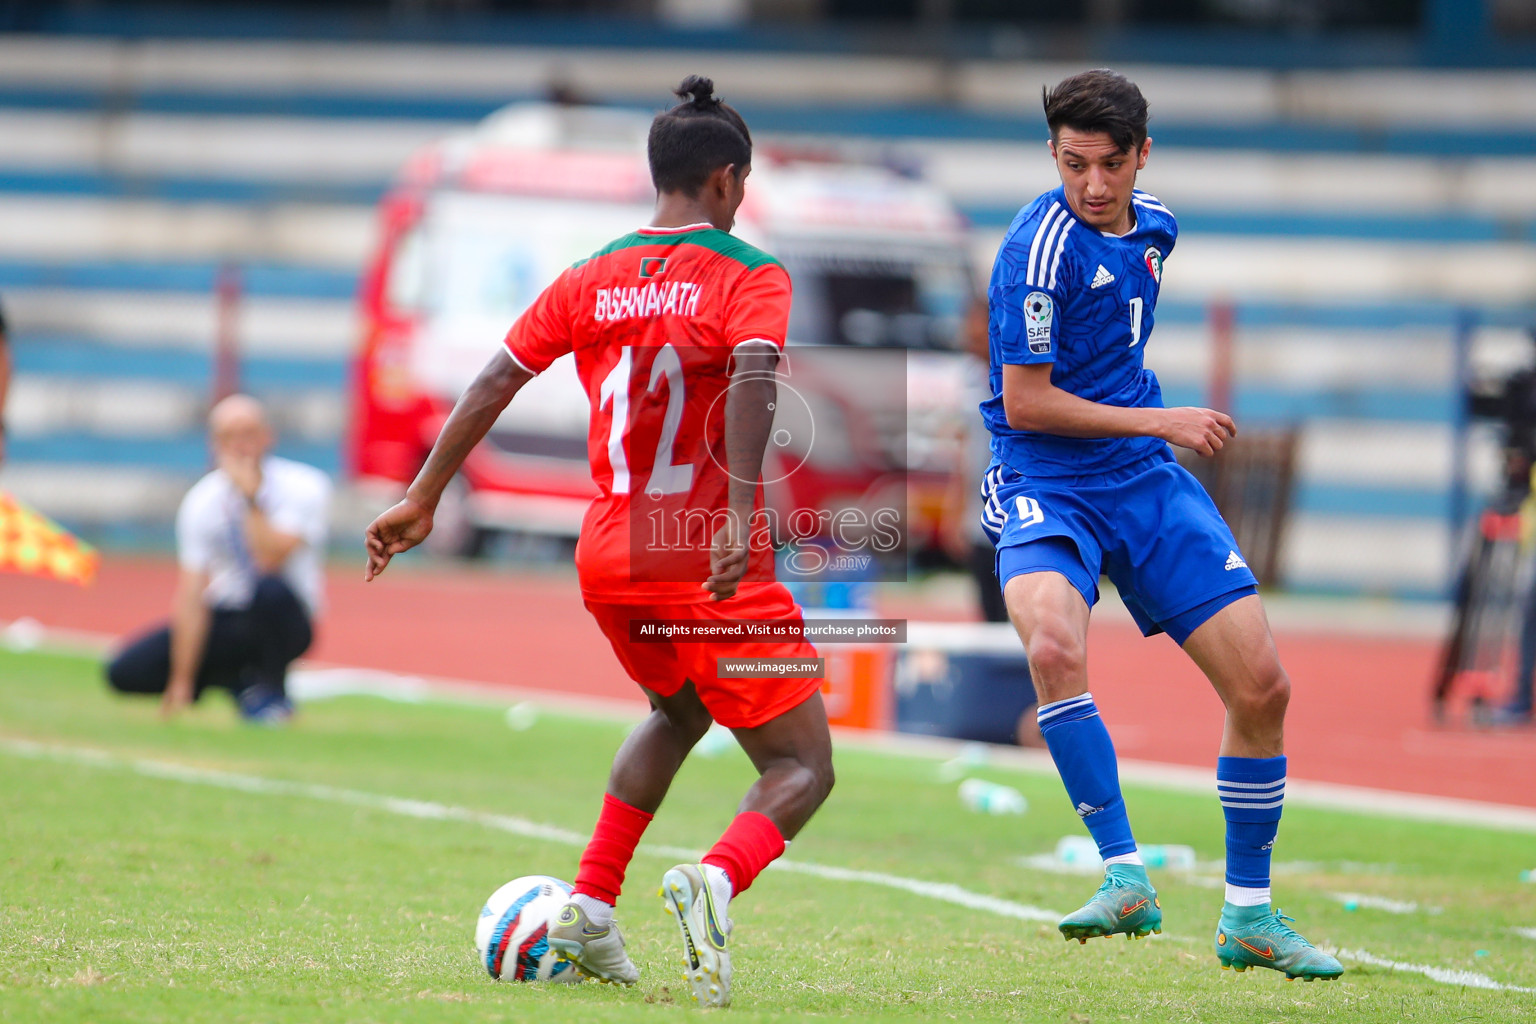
{"x": 178, "y": 695}
{"x": 1204, "y": 431}
{"x": 398, "y": 529}
{"x": 244, "y": 471}
{"x": 727, "y": 558}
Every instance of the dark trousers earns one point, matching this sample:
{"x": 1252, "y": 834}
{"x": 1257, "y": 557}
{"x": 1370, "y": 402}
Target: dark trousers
{"x": 1520, "y": 700}
{"x": 983, "y": 567}
{"x": 251, "y": 646}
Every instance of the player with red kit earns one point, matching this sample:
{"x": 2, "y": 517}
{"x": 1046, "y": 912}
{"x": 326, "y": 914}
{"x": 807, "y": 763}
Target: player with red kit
{"x": 676, "y": 331}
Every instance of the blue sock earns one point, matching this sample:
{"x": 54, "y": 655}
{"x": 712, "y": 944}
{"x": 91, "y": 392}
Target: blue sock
{"x": 1252, "y": 790}
{"x": 1085, "y": 757}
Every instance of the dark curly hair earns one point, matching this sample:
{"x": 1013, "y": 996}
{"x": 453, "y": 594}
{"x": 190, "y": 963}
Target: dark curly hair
{"x": 696, "y": 137}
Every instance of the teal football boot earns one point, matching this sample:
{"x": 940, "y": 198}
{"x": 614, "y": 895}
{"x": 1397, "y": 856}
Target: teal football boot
{"x": 1259, "y": 937}
{"x": 1126, "y": 902}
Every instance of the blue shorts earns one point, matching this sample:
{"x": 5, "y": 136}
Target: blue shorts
{"x": 1149, "y": 526}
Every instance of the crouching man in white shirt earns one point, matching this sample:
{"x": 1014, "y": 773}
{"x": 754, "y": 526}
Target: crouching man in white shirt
{"x": 250, "y": 538}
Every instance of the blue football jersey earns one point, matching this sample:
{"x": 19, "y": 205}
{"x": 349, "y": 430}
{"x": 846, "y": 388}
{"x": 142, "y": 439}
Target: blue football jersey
{"x": 1065, "y": 293}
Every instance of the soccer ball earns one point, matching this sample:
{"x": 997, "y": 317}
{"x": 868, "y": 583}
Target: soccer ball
{"x": 513, "y": 932}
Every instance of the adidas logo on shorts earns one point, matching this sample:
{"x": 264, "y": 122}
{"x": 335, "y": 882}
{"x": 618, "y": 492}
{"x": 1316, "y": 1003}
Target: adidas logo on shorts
{"x": 1235, "y": 561}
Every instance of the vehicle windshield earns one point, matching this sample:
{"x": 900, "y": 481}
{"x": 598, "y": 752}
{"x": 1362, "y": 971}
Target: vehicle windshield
{"x": 483, "y": 259}
{"x": 476, "y": 261}
{"x": 876, "y": 294}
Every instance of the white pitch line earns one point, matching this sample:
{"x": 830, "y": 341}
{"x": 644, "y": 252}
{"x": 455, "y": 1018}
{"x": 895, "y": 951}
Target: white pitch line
{"x": 1349, "y": 900}
{"x": 946, "y": 891}
{"x": 1444, "y": 975}
{"x": 333, "y": 680}
{"x": 433, "y": 811}
{"x": 1529, "y": 933}
{"x": 330, "y": 680}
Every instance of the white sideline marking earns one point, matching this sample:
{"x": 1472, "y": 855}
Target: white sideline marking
{"x": 1350, "y": 900}
{"x": 333, "y": 680}
{"x": 315, "y": 680}
{"x": 1444, "y": 975}
{"x": 945, "y": 891}
{"x": 1529, "y": 933}
{"x": 433, "y": 811}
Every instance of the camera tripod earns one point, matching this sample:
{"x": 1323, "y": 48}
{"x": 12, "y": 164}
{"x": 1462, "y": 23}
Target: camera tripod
{"x": 1476, "y": 661}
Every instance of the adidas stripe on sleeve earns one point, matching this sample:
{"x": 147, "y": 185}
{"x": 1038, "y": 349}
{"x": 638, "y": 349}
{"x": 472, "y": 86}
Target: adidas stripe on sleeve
{"x": 1026, "y": 305}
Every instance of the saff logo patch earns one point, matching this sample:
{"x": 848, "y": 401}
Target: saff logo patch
{"x": 652, "y": 266}
{"x": 1038, "y": 314}
{"x": 1154, "y": 260}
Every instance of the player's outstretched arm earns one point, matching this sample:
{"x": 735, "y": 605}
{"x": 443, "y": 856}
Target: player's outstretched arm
{"x": 407, "y": 524}
{"x": 1032, "y": 402}
{"x": 748, "y": 422}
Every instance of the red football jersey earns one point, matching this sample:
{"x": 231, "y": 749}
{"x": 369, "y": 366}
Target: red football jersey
{"x": 653, "y": 319}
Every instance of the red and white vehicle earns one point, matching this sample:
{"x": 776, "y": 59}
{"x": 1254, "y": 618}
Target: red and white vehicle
{"x": 477, "y": 224}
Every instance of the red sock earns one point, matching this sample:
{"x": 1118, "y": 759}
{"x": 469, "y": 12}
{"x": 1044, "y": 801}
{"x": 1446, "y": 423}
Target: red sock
{"x": 749, "y": 845}
{"x": 617, "y": 833}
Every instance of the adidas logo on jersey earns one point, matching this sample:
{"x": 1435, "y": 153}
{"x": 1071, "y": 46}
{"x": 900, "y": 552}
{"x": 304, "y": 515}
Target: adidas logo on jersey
{"x": 1235, "y": 561}
{"x": 1102, "y": 277}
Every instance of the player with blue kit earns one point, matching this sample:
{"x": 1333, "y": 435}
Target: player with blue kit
{"x": 1082, "y": 482}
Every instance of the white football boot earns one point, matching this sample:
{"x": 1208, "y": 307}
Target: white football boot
{"x": 707, "y": 961}
{"x": 596, "y": 952}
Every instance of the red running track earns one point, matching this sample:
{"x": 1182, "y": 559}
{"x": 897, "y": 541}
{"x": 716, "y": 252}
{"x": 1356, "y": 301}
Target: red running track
{"x": 1358, "y": 714}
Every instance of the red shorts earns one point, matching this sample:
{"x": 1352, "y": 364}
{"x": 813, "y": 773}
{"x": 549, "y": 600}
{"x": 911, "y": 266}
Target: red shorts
{"x": 663, "y": 666}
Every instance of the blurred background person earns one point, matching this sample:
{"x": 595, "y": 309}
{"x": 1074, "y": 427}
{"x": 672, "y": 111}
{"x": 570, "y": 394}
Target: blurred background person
{"x": 250, "y": 537}
{"x": 964, "y": 538}
{"x": 1517, "y": 708}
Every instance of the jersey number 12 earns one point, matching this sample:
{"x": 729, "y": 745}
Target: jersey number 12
{"x": 665, "y": 477}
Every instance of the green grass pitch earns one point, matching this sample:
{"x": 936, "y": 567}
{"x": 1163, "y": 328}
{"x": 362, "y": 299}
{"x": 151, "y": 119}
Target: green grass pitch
{"x": 141, "y": 895}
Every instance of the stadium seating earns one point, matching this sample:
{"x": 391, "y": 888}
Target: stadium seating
{"x": 1350, "y": 217}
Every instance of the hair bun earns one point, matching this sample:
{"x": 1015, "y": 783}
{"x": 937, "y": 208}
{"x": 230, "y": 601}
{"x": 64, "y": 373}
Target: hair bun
{"x": 699, "y": 90}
